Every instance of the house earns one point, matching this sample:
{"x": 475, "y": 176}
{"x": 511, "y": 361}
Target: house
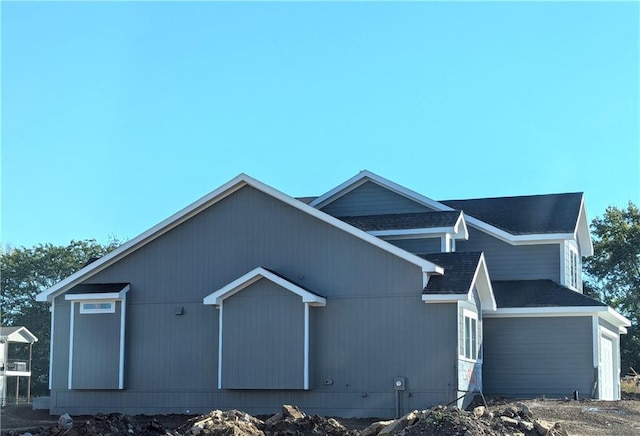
{"x": 369, "y": 300}
{"x": 11, "y": 368}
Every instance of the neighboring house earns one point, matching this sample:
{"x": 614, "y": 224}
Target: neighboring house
{"x": 369, "y": 300}
{"x": 11, "y": 367}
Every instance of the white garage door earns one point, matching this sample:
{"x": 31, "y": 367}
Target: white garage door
{"x": 606, "y": 373}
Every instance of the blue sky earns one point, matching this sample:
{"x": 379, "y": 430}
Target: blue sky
{"x": 116, "y": 115}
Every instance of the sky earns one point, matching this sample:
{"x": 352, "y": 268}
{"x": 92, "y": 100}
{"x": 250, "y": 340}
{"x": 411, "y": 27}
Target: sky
{"x": 115, "y": 115}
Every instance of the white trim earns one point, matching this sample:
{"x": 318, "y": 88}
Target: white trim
{"x": 53, "y": 312}
{"x": 563, "y": 263}
{"x": 444, "y": 298}
{"x": 443, "y": 244}
{"x": 582, "y": 232}
{"x": 306, "y": 346}
{"x": 123, "y": 304}
{"x": 253, "y": 276}
{"x": 466, "y": 313}
{"x": 71, "y": 323}
{"x": 417, "y": 232}
{"x": 213, "y": 197}
{"x": 480, "y": 281}
{"x": 220, "y": 346}
{"x": 22, "y": 335}
{"x": 363, "y": 176}
{"x": 98, "y": 295}
{"x": 595, "y": 326}
{"x": 84, "y": 310}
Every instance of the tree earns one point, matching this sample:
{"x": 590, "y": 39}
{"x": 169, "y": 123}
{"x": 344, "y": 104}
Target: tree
{"x": 24, "y": 273}
{"x": 613, "y": 272}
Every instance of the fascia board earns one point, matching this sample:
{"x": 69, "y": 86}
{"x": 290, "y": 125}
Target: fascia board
{"x": 194, "y": 208}
{"x": 431, "y": 231}
{"x": 483, "y": 283}
{"x": 98, "y": 295}
{"x": 217, "y": 297}
{"x": 582, "y": 233}
{"x": 460, "y": 228}
{"x": 142, "y": 239}
{"x": 444, "y": 298}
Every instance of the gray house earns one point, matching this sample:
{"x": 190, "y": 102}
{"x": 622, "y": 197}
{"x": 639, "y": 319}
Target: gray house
{"x": 369, "y": 300}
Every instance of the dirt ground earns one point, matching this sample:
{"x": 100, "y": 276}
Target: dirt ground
{"x": 584, "y": 417}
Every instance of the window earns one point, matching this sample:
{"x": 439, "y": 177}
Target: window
{"x": 574, "y": 268}
{"x": 470, "y": 335}
{"x": 98, "y": 307}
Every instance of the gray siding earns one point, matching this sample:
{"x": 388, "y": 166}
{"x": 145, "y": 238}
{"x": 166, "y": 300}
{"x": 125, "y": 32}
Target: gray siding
{"x": 372, "y": 199}
{"x": 509, "y": 262}
{"x": 96, "y": 349}
{"x": 263, "y": 339}
{"x": 360, "y": 340}
{"x": 421, "y": 246}
{"x": 528, "y": 357}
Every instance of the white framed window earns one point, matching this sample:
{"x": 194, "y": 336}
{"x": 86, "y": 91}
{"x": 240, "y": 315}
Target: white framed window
{"x": 98, "y": 307}
{"x": 469, "y": 337}
{"x": 574, "y": 267}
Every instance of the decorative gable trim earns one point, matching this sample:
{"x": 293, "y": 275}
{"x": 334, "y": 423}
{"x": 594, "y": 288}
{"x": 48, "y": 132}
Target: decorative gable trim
{"x": 217, "y": 297}
{"x": 308, "y": 298}
{"x": 365, "y": 176}
{"x": 203, "y": 203}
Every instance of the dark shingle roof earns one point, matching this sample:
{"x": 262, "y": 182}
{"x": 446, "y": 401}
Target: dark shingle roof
{"x": 306, "y": 200}
{"x": 403, "y": 221}
{"x": 538, "y": 293}
{"x": 293, "y": 282}
{"x": 459, "y": 269}
{"x": 532, "y": 214}
{"x": 90, "y": 288}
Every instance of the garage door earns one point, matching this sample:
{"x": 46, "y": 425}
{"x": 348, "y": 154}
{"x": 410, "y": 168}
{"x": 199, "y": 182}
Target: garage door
{"x": 606, "y": 373}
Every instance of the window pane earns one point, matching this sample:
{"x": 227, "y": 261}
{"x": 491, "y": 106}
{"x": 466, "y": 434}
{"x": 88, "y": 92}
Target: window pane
{"x": 474, "y": 339}
{"x": 467, "y": 337}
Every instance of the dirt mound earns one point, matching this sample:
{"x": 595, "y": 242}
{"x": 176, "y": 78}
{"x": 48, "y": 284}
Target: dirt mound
{"x": 513, "y": 419}
{"x": 439, "y": 420}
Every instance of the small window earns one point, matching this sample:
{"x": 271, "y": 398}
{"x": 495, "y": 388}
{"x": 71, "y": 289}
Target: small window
{"x": 98, "y": 307}
{"x": 470, "y": 336}
{"x": 574, "y": 268}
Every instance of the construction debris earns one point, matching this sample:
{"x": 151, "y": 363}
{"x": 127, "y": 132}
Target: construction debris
{"x": 515, "y": 419}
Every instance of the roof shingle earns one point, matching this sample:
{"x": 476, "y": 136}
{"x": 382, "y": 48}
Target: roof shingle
{"x": 459, "y": 269}
{"x": 538, "y": 293}
{"x": 403, "y": 221}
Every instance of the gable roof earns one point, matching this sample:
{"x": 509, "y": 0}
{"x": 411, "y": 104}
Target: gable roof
{"x": 463, "y": 272}
{"x": 579, "y": 230}
{"x": 525, "y": 215}
{"x": 256, "y": 274}
{"x": 203, "y": 203}
{"x": 18, "y": 334}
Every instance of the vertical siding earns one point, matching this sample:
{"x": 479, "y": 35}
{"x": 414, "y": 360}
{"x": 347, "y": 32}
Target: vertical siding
{"x": 263, "y": 339}
{"x": 96, "y": 349}
{"x": 510, "y": 262}
{"x": 372, "y": 199}
{"x": 421, "y": 246}
{"x": 374, "y": 327}
{"x": 550, "y": 356}
{"x": 60, "y": 358}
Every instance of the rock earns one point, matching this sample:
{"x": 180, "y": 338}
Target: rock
{"x": 399, "y": 424}
{"x": 375, "y": 428}
{"x": 292, "y": 412}
{"x": 542, "y": 427}
{"x": 275, "y": 418}
{"x": 526, "y": 426}
{"x": 479, "y": 411}
{"x": 524, "y": 410}
{"x": 65, "y": 422}
{"x": 510, "y": 422}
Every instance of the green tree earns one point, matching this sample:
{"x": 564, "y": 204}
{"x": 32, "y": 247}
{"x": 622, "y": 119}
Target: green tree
{"x": 613, "y": 272}
{"x": 24, "y": 273}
